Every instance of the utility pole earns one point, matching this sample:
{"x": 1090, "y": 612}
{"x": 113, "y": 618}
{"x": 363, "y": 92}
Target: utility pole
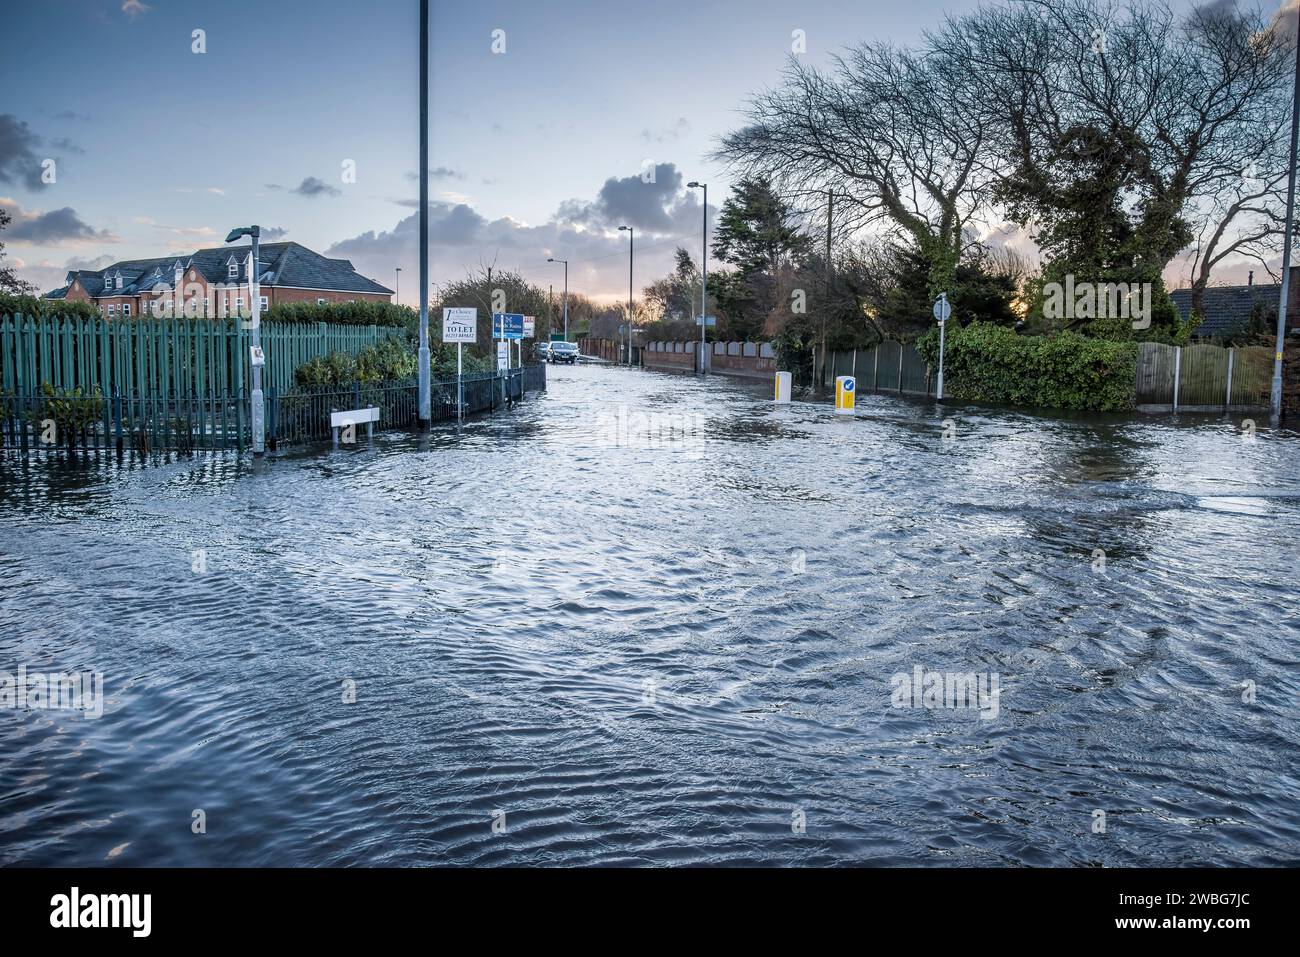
{"x": 426, "y": 410}
{"x": 1275, "y": 399}
{"x": 830, "y": 283}
{"x": 704, "y": 275}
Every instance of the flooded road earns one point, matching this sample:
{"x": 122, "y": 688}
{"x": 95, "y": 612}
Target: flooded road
{"x": 644, "y": 619}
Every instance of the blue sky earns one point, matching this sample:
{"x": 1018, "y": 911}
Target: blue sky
{"x": 538, "y": 150}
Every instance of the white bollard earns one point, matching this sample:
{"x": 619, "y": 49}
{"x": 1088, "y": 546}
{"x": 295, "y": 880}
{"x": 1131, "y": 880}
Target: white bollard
{"x": 844, "y": 394}
{"x": 784, "y": 383}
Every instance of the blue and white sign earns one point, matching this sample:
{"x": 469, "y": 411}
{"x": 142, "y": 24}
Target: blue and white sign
{"x": 507, "y": 325}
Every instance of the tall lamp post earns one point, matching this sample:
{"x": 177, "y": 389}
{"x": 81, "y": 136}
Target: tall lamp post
{"x": 1275, "y": 399}
{"x": 631, "y": 252}
{"x": 426, "y": 403}
{"x": 257, "y": 412}
{"x": 704, "y": 272}
{"x": 566, "y": 294}
{"x": 397, "y": 286}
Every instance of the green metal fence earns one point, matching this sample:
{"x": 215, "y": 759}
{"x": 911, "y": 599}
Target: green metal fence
{"x": 168, "y": 421}
{"x": 200, "y": 358}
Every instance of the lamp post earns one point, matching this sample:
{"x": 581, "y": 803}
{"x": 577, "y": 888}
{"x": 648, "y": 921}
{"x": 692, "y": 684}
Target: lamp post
{"x": 566, "y": 294}
{"x": 631, "y": 252}
{"x": 397, "y": 286}
{"x": 1275, "y": 398}
{"x": 426, "y": 403}
{"x": 704, "y": 272}
{"x": 257, "y": 410}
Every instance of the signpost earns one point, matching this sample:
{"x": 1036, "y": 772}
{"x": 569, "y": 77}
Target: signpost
{"x": 506, "y": 327}
{"x": 460, "y": 325}
{"x": 942, "y": 310}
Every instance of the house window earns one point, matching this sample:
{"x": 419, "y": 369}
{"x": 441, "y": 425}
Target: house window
{"x": 261, "y": 302}
{"x": 320, "y": 302}
{"x": 232, "y": 270}
{"x": 126, "y": 309}
{"x": 112, "y": 309}
{"x": 239, "y": 304}
{"x": 205, "y": 306}
{"x": 170, "y": 306}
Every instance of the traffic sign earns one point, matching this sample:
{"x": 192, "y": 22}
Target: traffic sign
{"x": 460, "y": 324}
{"x": 503, "y": 356}
{"x": 706, "y": 320}
{"x": 507, "y": 325}
{"x": 942, "y": 308}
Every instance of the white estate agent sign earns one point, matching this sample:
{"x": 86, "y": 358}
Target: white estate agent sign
{"x": 530, "y": 327}
{"x": 460, "y": 324}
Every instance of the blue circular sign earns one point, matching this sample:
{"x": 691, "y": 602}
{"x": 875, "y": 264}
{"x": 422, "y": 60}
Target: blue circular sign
{"x": 848, "y": 385}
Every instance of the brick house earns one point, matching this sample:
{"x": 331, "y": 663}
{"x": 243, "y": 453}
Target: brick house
{"x": 214, "y": 282}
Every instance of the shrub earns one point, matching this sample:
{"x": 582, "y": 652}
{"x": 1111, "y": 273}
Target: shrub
{"x": 1064, "y": 370}
{"x": 71, "y": 411}
{"x": 11, "y": 305}
{"x": 357, "y": 313}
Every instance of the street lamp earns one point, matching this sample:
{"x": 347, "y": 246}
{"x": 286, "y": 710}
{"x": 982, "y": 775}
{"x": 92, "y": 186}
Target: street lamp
{"x": 397, "y": 287}
{"x": 566, "y": 294}
{"x": 631, "y": 235}
{"x": 426, "y": 394}
{"x": 704, "y": 271}
{"x": 257, "y": 412}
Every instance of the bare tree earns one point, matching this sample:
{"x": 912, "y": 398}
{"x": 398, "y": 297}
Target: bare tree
{"x": 892, "y": 134}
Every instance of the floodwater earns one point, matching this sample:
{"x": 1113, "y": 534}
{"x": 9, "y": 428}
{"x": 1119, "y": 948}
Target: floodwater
{"x": 644, "y": 619}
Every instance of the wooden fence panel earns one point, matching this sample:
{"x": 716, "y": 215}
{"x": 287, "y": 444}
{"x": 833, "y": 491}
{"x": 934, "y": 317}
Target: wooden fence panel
{"x": 1155, "y": 374}
{"x": 1203, "y": 376}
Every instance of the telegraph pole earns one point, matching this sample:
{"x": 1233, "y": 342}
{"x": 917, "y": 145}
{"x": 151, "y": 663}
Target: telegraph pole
{"x": 426, "y": 411}
{"x": 1275, "y": 399}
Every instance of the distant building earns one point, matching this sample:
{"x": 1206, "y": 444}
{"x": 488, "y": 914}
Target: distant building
{"x": 1229, "y": 309}
{"x": 214, "y": 282}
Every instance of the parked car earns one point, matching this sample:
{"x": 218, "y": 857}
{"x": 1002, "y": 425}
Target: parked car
{"x": 541, "y": 349}
{"x": 563, "y": 352}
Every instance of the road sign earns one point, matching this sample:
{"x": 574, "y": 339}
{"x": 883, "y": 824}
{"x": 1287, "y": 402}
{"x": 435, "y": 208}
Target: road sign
{"x": 507, "y": 325}
{"x": 460, "y": 324}
{"x": 503, "y": 356}
{"x": 706, "y": 320}
{"x": 530, "y": 327}
{"x": 942, "y": 308}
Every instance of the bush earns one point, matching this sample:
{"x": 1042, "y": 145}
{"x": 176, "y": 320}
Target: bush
{"x": 1066, "y": 370}
{"x": 71, "y": 410}
{"x": 11, "y": 305}
{"x": 390, "y": 360}
{"x": 357, "y": 313}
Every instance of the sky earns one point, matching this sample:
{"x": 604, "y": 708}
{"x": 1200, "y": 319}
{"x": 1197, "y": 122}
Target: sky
{"x": 302, "y": 116}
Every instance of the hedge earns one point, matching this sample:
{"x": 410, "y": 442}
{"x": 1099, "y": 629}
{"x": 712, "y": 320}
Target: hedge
{"x": 1065, "y": 370}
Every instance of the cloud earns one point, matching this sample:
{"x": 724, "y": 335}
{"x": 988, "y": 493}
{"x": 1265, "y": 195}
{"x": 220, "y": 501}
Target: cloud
{"x": 68, "y": 115}
{"x": 438, "y": 172}
{"x": 200, "y": 231}
{"x": 667, "y": 134}
{"x": 19, "y": 162}
{"x": 582, "y": 231}
{"x": 134, "y": 8}
{"x": 52, "y": 227}
{"x": 311, "y": 186}
{"x": 271, "y": 233}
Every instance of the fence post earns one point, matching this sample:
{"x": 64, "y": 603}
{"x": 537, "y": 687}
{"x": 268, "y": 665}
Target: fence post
{"x": 875, "y": 368}
{"x": 1178, "y": 373}
{"x": 117, "y": 418}
{"x": 1227, "y": 398}
{"x": 900, "y": 368}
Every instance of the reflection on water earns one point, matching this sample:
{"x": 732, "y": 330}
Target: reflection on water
{"x": 649, "y": 651}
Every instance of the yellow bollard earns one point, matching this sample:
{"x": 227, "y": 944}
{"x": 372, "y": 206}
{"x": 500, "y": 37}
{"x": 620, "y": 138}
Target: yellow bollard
{"x": 783, "y": 386}
{"x": 844, "y": 394}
